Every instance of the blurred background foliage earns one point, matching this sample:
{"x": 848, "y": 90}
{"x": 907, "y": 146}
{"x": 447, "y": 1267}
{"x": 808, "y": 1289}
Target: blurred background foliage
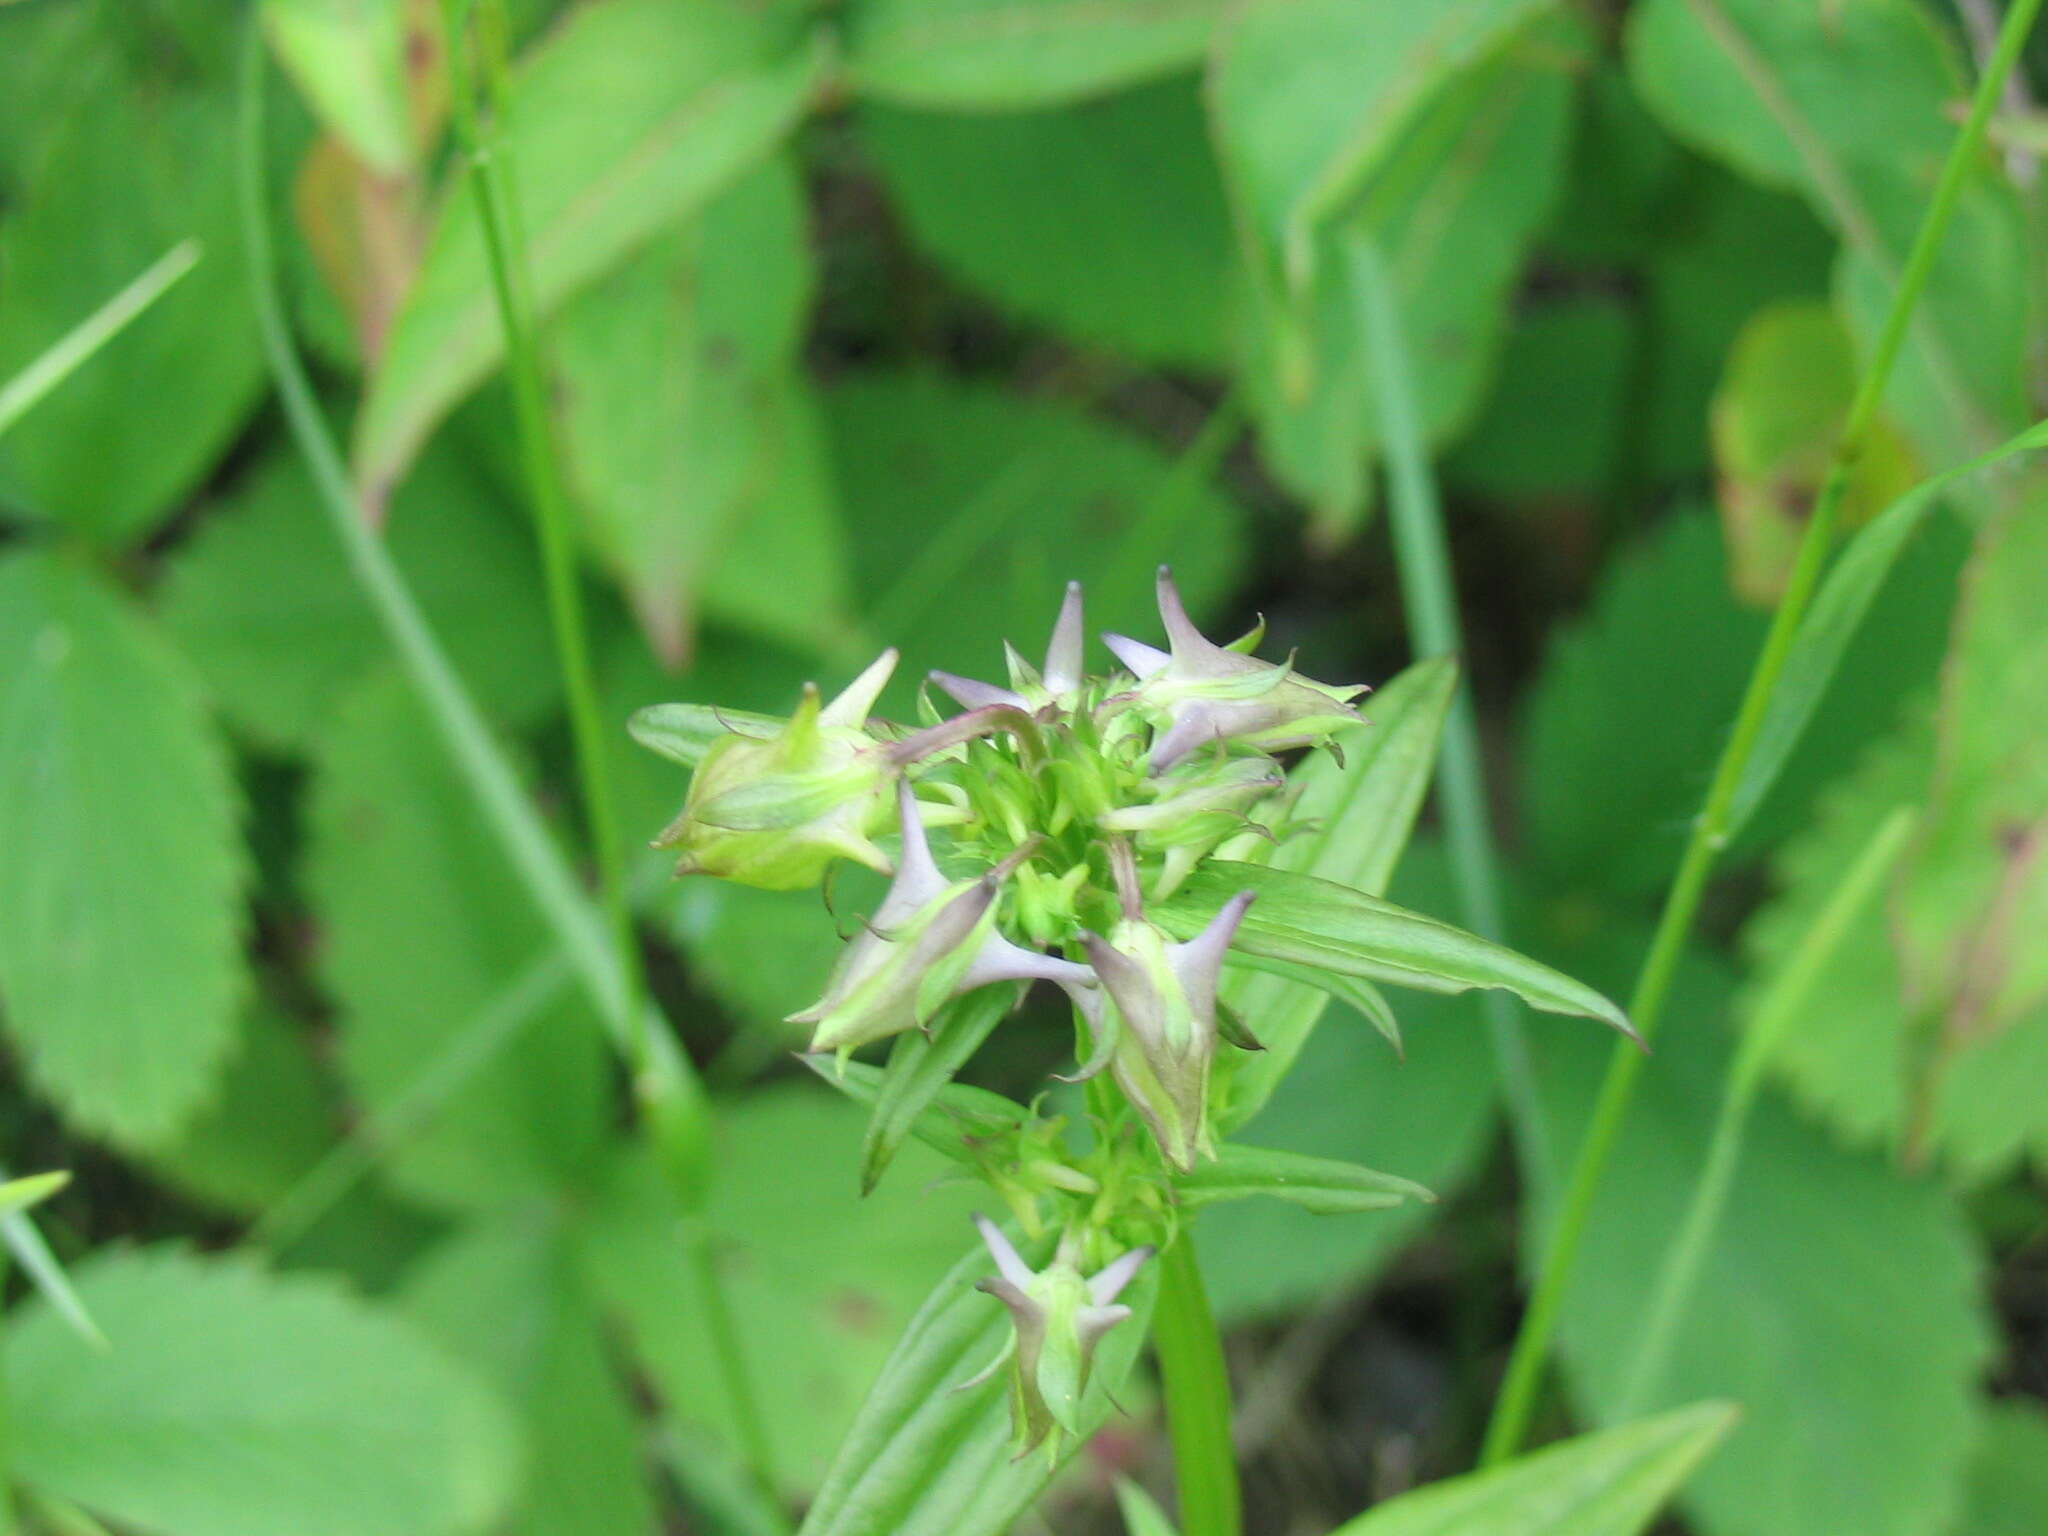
{"x": 871, "y": 323}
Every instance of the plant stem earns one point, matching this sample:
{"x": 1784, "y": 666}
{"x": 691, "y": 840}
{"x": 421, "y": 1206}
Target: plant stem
{"x": 1423, "y": 559}
{"x": 76, "y": 347}
{"x": 504, "y": 253}
{"x": 1709, "y": 830}
{"x": 1197, "y": 1385}
{"x": 1786, "y": 999}
{"x": 552, "y": 515}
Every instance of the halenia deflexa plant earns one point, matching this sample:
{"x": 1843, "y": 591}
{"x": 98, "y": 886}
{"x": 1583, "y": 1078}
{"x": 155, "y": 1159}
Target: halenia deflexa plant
{"x": 1111, "y": 834}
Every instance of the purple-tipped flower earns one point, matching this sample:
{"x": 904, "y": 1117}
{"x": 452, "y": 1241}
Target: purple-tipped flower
{"x": 930, "y": 940}
{"x": 775, "y": 811}
{"x": 1060, "y": 1317}
{"x": 1212, "y": 693}
{"x": 1156, "y": 1016}
{"x": 1032, "y": 688}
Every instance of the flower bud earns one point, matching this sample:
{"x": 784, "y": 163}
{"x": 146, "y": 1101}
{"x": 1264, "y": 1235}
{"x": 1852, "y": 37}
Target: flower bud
{"x": 1192, "y": 810}
{"x": 775, "y": 811}
{"x": 1060, "y": 1317}
{"x": 1156, "y": 1014}
{"x": 930, "y": 940}
{"x": 1210, "y": 692}
{"x": 1032, "y": 689}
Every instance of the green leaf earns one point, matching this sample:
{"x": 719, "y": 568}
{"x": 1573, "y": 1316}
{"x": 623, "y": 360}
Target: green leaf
{"x": 1845, "y": 598}
{"x": 133, "y": 170}
{"x": 926, "y": 1458}
{"x": 349, "y": 57}
{"x": 1105, "y": 221}
{"x": 2008, "y": 1485}
{"x": 952, "y": 1117}
{"x": 1582, "y": 349}
{"x": 1451, "y": 201}
{"x": 1607, "y": 1484}
{"x": 1004, "y": 55}
{"x": 263, "y": 603}
{"x": 968, "y": 508}
{"x": 1363, "y": 812}
{"x": 1858, "y": 1399}
{"x": 79, "y": 345}
{"x": 1142, "y": 1515}
{"x": 1781, "y": 406}
{"x": 674, "y": 377}
{"x": 273, "y": 1116}
{"x": 1428, "y": 1113}
{"x": 1725, "y": 250}
{"x": 20, "y": 1194}
{"x": 1304, "y": 920}
{"x": 819, "y": 1279}
{"x": 1309, "y": 98}
{"x": 503, "y": 1295}
{"x": 1929, "y": 1029}
{"x": 1363, "y": 997}
{"x": 1616, "y": 757}
{"x": 1847, "y": 104}
{"x": 425, "y": 928}
{"x": 120, "y": 865}
{"x": 693, "y": 96}
{"x": 921, "y": 1066}
{"x": 683, "y": 733}
{"x": 302, "y": 1385}
{"x": 1319, "y": 1184}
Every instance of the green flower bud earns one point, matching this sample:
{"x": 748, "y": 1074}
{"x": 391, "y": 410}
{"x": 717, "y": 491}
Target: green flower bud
{"x": 774, "y": 810}
{"x": 1060, "y": 1317}
{"x": 1155, "y": 1020}
{"x": 930, "y": 940}
{"x": 1193, "y": 809}
{"x": 1210, "y": 692}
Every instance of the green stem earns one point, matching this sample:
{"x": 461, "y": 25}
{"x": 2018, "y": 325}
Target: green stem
{"x": 552, "y": 515}
{"x": 72, "y": 350}
{"x": 1785, "y": 1001}
{"x": 497, "y": 213}
{"x": 534, "y": 857}
{"x": 1709, "y": 832}
{"x": 1197, "y": 1386}
{"x": 1423, "y": 558}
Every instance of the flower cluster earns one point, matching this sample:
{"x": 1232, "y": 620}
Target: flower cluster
{"x": 1035, "y": 833}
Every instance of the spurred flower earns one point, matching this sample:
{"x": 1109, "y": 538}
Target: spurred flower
{"x": 1154, "y": 1022}
{"x": 1210, "y": 692}
{"x": 1060, "y": 1317}
{"x": 1031, "y": 688}
{"x": 930, "y": 940}
{"x": 775, "y": 811}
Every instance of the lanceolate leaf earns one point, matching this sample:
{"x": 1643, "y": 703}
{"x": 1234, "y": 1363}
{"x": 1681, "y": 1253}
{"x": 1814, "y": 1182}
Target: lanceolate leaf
{"x": 20, "y": 1194}
{"x": 955, "y": 1113}
{"x": 920, "y": 1066}
{"x": 692, "y": 96}
{"x": 1319, "y": 1184}
{"x": 119, "y": 860}
{"x": 1305, "y": 921}
{"x": 924, "y": 1459}
{"x": 1362, "y": 995}
{"x": 1607, "y": 1484}
{"x": 1362, "y": 812}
